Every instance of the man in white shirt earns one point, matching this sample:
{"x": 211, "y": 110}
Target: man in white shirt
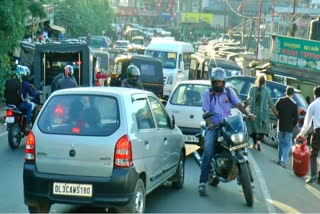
{"x": 313, "y": 115}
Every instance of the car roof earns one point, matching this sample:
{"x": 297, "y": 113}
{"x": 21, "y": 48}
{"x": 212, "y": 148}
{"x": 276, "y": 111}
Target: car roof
{"x": 200, "y": 82}
{"x": 101, "y": 90}
{"x": 268, "y": 81}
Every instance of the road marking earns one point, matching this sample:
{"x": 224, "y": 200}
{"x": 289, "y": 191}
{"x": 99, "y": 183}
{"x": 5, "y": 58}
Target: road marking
{"x": 285, "y": 208}
{"x": 3, "y": 134}
{"x": 263, "y": 184}
{"x": 313, "y": 190}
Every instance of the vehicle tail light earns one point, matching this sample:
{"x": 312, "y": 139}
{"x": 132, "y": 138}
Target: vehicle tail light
{"x": 301, "y": 112}
{"x": 9, "y": 113}
{"x": 123, "y": 152}
{"x": 30, "y": 148}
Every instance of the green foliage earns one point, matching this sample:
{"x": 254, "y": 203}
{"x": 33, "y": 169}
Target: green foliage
{"x": 4, "y": 73}
{"x": 80, "y": 16}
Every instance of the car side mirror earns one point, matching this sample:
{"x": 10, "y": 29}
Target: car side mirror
{"x": 173, "y": 122}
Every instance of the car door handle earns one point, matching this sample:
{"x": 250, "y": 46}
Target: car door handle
{"x": 146, "y": 142}
{"x": 165, "y": 141}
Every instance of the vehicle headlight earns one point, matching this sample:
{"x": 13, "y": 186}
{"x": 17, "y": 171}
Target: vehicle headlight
{"x": 237, "y": 138}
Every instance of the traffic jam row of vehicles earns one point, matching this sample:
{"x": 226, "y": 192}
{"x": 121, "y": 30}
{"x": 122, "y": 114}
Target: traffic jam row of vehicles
{"x": 163, "y": 64}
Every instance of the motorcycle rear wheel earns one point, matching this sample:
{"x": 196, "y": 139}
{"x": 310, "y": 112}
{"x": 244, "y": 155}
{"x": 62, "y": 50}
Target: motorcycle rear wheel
{"x": 14, "y": 137}
{"x": 246, "y": 183}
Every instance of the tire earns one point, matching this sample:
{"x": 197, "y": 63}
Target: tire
{"x": 14, "y": 137}
{"x": 246, "y": 183}
{"x": 178, "y": 178}
{"x": 214, "y": 181}
{"x": 41, "y": 208}
{"x": 138, "y": 202}
{"x": 272, "y": 137}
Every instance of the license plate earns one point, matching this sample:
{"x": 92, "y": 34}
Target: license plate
{"x": 9, "y": 119}
{"x": 191, "y": 138}
{"x": 83, "y": 190}
{"x": 238, "y": 146}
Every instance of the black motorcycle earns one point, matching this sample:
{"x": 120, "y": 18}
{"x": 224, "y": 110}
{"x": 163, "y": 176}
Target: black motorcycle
{"x": 230, "y": 161}
{"x": 16, "y": 123}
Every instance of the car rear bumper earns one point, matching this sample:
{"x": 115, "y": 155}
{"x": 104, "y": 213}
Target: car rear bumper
{"x": 112, "y": 192}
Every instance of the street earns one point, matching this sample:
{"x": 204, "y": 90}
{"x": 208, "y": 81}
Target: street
{"x": 277, "y": 190}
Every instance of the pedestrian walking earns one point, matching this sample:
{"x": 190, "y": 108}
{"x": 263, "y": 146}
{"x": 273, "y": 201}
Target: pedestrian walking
{"x": 259, "y": 102}
{"x": 287, "y": 114}
{"x": 313, "y": 116}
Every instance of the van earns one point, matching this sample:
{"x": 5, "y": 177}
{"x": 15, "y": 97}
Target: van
{"x": 175, "y": 57}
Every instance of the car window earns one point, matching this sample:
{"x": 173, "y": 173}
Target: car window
{"x": 162, "y": 118}
{"x": 188, "y": 94}
{"x": 239, "y": 85}
{"x": 300, "y": 100}
{"x": 88, "y": 115}
{"x": 143, "y": 114}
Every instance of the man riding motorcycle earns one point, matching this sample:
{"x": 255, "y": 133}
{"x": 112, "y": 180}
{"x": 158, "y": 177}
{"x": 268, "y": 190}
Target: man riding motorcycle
{"x": 14, "y": 91}
{"x": 132, "y": 81}
{"x": 217, "y": 102}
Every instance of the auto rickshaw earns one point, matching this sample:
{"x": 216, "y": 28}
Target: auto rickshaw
{"x": 151, "y": 72}
{"x": 199, "y": 66}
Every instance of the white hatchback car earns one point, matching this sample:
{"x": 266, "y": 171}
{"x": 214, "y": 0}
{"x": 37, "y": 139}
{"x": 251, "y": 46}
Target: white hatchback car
{"x": 101, "y": 146}
{"x": 185, "y": 103}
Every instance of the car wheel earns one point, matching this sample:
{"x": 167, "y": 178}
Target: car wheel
{"x": 41, "y": 208}
{"x": 138, "y": 202}
{"x": 272, "y": 137}
{"x": 178, "y": 178}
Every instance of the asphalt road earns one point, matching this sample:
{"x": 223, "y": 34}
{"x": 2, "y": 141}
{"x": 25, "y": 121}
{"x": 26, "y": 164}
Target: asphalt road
{"x": 277, "y": 190}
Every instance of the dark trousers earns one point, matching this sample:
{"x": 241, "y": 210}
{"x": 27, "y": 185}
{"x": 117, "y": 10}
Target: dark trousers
{"x": 257, "y": 137}
{"x": 315, "y": 148}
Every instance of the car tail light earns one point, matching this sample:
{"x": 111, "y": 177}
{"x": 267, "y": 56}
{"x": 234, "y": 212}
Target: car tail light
{"x": 123, "y": 152}
{"x": 30, "y": 148}
{"x": 9, "y": 113}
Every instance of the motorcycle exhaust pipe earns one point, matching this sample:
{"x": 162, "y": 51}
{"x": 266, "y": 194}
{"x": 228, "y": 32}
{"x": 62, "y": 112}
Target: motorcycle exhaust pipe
{"x": 197, "y": 158}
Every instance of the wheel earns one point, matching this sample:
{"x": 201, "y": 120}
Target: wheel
{"x": 14, "y": 137}
{"x": 246, "y": 183}
{"x": 214, "y": 181}
{"x": 41, "y": 208}
{"x": 272, "y": 137}
{"x": 138, "y": 202}
{"x": 178, "y": 178}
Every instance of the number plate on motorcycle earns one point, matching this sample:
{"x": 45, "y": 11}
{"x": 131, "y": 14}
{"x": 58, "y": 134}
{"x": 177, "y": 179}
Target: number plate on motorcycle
{"x": 191, "y": 138}
{"x": 238, "y": 147}
{"x": 9, "y": 119}
{"x": 84, "y": 190}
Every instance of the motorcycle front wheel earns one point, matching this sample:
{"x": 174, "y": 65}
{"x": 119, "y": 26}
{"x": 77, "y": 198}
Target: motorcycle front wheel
{"x": 246, "y": 183}
{"x": 14, "y": 137}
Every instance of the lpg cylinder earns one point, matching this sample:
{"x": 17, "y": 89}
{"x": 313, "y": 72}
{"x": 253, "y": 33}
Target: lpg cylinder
{"x": 300, "y": 157}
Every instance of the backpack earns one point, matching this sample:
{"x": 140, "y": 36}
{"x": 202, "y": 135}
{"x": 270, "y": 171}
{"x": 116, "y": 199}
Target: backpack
{"x": 228, "y": 93}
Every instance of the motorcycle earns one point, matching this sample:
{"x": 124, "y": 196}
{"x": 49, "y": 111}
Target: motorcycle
{"x": 16, "y": 122}
{"x": 230, "y": 160}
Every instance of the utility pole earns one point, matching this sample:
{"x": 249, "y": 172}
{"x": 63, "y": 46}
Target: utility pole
{"x": 273, "y": 11}
{"x": 225, "y": 17}
{"x": 293, "y": 24}
{"x": 258, "y": 36}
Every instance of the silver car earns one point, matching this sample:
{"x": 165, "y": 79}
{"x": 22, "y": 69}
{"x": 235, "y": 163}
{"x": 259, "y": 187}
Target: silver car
{"x": 102, "y": 146}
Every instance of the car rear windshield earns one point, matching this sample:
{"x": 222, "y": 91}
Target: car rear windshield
{"x": 189, "y": 95}
{"x": 88, "y": 115}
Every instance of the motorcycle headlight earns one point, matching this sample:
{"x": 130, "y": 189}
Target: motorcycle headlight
{"x": 237, "y": 138}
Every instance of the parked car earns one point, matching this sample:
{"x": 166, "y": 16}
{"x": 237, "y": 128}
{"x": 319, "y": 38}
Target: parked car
{"x": 185, "y": 103}
{"x": 101, "y": 146}
{"x": 243, "y": 83}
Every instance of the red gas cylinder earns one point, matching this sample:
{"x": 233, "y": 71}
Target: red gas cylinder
{"x": 300, "y": 157}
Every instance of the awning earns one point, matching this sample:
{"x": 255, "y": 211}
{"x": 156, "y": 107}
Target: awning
{"x": 58, "y": 28}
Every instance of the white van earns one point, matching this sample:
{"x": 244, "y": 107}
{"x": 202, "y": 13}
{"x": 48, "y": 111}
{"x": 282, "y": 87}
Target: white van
{"x": 175, "y": 57}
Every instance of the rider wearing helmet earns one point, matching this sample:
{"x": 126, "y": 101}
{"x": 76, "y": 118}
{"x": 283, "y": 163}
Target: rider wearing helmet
{"x": 132, "y": 81}
{"x": 216, "y": 106}
{"x": 68, "y": 81}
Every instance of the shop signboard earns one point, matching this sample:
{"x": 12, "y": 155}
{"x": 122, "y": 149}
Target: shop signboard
{"x": 297, "y": 53}
{"x": 197, "y": 17}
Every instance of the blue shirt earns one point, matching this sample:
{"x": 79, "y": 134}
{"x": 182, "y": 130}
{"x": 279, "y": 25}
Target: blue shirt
{"x": 220, "y": 105}
{"x": 27, "y": 90}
